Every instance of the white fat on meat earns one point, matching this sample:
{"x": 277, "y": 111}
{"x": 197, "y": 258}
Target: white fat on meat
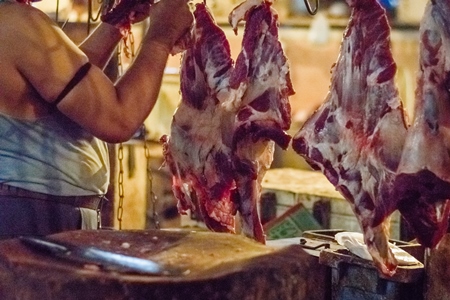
{"x": 262, "y": 110}
{"x": 197, "y": 150}
{"x": 346, "y": 137}
{"x": 423, "y": 181}
{"x": 223, "y": 133}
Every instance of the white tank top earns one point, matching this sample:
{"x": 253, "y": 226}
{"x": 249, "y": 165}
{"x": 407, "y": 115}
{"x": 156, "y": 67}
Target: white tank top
{"x": 52, "y": 155}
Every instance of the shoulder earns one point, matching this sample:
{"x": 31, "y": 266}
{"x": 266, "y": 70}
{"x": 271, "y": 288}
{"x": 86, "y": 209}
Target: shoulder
{"x": 24, "y": 28}
{"x": 35, "y": 47}
{"x": 29, "y": 34}
{"x": 22, "y": 16}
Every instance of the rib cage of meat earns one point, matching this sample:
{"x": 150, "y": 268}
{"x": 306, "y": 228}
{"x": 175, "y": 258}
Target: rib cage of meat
{"x": 356, "y": 137}
{"x": 423, "y": 181}
{"x": 223, "y": 132}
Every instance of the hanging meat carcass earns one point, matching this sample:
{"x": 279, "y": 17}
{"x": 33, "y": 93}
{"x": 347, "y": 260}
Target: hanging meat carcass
{"x": 223, "y": 132}
{"x": 423, "y": 182}
{"x": 261, "y": 85}
{"x": 356, "y": 137}
{"x": 197, "y": 151}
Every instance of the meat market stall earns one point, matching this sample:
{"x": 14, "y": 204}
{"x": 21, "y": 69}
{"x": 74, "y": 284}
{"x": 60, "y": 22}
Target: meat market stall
{"x": 276, "y": 233}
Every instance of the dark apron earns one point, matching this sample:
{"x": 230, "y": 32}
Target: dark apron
{"x": 23, "y": 212}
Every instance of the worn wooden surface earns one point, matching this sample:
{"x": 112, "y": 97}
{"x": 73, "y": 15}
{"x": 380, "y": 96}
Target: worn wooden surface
{"x": 215, "y": 265}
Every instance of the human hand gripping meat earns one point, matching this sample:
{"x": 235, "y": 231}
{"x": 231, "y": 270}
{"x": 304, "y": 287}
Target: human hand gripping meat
{"x": 127, "y": 12}
{"x": 177, "y": 36}
{"x": 356, "y": 137}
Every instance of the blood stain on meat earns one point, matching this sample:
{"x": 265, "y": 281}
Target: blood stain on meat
{"x": 356, "y": 137}
{"x": 230, "y": 117}
{"x": 423, "y": 181}
{"x": 196, "y": 151}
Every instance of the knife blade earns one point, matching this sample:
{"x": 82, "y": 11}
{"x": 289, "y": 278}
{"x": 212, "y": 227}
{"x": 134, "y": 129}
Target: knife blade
{"x": 106, "y": 260}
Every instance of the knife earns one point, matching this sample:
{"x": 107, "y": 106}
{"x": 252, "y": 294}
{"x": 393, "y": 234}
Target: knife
{"x": 106, "y": 260}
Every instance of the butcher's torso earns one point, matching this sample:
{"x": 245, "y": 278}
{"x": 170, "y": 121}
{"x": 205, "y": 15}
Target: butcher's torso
{"x": 41, "y": 150}
{"x": 52, "y": 155}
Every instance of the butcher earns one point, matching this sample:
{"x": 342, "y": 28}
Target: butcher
{"x": 58, "y": 109}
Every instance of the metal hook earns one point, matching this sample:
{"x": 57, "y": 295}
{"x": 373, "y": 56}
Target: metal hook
{"x": 310, "y": 10}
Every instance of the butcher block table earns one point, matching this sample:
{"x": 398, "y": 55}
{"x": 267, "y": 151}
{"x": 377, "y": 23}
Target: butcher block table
{"x": 208, "y": 266}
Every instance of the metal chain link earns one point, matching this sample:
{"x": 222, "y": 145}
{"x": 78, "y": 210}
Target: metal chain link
{"x": 122, "y": 45}
{"x": 153, "y": 197}
{"x": 120, "y": 186}
{"x": 128, "y": 42}
{"x": 120, "y": 152}
{"x": 119, "y": 59}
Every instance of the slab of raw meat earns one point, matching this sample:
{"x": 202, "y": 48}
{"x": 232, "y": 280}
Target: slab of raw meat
{"x": 261, "y": 85}
{"x": 224, "y": 131}
{"x": 356, "y": 137}
{"x": 197, "y": 151}
{"x": 423, "y": 182}
{"x": 119, "y": 13}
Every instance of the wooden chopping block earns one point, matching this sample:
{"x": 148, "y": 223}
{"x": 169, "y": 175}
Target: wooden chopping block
{"x": 215, "y": 265}
{"x": 437, "y": 271}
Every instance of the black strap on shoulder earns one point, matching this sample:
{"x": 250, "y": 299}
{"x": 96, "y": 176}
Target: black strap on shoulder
{"x": 79, "y": 75}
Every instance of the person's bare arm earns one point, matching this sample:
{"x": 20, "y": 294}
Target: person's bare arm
{"x": 100, "y": 44}
{"x": 112, "y": 112}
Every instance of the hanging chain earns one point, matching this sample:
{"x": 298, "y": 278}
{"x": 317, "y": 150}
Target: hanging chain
{"x": 128, "y": 45}
{"x": 153, "y": 197}
{"x": 120, "y": 186}
{"x": 119, "y": 59}
{"x": 120, "y": 152}
{"x": 122, "y": 45}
